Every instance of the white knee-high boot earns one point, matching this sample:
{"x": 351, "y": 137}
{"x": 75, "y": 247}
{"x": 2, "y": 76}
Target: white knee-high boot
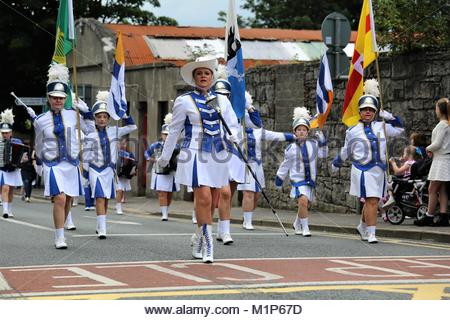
{"x": 208, "y": 250}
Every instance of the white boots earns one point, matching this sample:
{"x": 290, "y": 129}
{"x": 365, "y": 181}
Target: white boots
{"x": 247, "y": 224}
{"x": 301, "y": 226}
{"x": 223, "y": 232}
{"x": 69, "y": 225}
{"x": 202, "y": 247}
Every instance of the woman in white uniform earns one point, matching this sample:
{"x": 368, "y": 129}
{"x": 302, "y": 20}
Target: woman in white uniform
{"x": 439, "y": 173}
{"x": 10, "y": 175}
{"x": 202, "y": 162}
{"x": 100, "y": 158}
{"x": 127, "y": 170}
{"x": 58, "y": 147}
{"x": 250, "y": 188}
{"x": 300, "y": 161}
{"x": 365, "y": 144}
{"x": 163, "y": 181}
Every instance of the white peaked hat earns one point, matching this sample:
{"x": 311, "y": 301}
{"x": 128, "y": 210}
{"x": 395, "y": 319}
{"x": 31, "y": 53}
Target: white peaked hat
{"x": 58, "y": 78}
{"x": 371, "y": 94}
{"x": 101, "y": 105}
{"x": 187, "y": 70}
{"x": 7, "y": 120}
{"x": 301, "y": 118}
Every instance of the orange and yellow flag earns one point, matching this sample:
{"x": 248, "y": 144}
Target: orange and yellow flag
{"x": 364, "y": 54}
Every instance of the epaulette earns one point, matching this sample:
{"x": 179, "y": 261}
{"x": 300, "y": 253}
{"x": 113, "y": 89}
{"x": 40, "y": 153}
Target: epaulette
{"x": 39, "y": 116}
{"x": 289, "y": 146}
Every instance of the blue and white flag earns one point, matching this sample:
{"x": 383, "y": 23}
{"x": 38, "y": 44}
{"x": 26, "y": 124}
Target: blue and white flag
{"x": 324, "y": 94}
{"x": 235, "y": 62}
{"x": 117, "y": 103}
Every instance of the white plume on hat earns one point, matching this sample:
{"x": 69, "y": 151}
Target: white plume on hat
{"x": 58, "y": 72}
{"x": 371, "y": 87}
{"x": 301, "y": 113}
{"x": 168, "y": 119}
{"x": 7, "y": 116}
{"x": 222, "y": 72}
{"x": 102, "y": 96}
{"x": 301, "y": 117}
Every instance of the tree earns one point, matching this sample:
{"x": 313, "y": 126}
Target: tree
{"x": 408, "y": 25}
{"x": 294, "y": 14}
{"x": 27, "y": 37}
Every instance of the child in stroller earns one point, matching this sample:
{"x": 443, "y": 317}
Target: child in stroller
{"x": 408, "y": 194}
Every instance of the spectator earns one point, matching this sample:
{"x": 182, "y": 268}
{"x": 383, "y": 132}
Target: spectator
{"x": 439, "y": 150}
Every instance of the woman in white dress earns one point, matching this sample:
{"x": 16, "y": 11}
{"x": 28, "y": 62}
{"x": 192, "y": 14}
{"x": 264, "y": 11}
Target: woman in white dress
{"x": 163, "y": 181}
{"x": 202, "y": 162}
{"x": 58, "y": 147}
{"x": 365, "y": 144}
{"x": 439, "y": 174}
{"x": 10, "y": 175}
{"x": 250, "y": 189}
{"x": 100, "y": 158}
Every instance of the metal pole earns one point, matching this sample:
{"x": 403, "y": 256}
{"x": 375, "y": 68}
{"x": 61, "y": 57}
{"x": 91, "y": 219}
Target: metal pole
{"x": 210, "y": 101}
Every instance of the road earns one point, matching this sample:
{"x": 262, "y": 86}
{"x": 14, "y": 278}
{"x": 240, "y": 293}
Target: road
{"x": 144, "y": 258}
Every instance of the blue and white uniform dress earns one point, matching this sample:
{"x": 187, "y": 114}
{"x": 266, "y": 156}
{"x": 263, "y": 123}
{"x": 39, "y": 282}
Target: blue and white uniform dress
{"x": 300, "y": 160}
{"x": 203, "y": 158}
{"x": 57, "y": 145}
{"x": 365, "y": 144}
{"x": 236, "y": 165}
{"x": 100, "y": 157}
{"x": 122, "y": 182}
{"x": 161, "y": 182}
{"x": 254, "y": 139}
{"x": 9, "y": 175}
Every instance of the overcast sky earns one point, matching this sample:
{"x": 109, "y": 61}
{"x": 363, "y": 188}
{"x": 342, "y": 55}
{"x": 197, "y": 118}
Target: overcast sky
{"x": 196, "y": 12}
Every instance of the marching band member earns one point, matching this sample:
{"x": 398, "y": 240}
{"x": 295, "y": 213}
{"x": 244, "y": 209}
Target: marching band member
{"x": 202, "y": 162}
{"x": 163, "y": 179}
{"x": 365, "y": 144}
{"x": 250, "y": 189}
{"x": 236, "y": 165}
{"x": 127, "y": 165}
{"x": 300, "y": 161}
{"x": 100, "y": 147}
{"x": 10, "y": 176}
{"x": 57, "y": 146}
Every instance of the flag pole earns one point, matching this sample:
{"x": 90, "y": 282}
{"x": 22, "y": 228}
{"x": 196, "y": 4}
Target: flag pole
{"x": 74, "y": 62}
{"x": 388, "y": 171}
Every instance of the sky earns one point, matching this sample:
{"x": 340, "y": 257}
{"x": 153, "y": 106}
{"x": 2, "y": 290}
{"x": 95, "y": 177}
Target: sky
{"x": 196, "y": 12}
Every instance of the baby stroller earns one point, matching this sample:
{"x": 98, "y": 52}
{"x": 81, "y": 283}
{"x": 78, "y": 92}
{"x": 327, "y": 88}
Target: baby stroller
{"x": 410, "y": 195}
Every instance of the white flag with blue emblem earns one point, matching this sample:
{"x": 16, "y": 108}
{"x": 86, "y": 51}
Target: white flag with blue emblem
{"x": 235, "y": 62}
{"x": 117, "y": 104}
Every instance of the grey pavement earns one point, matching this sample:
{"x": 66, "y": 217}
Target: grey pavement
{"x": 319, "y": 221}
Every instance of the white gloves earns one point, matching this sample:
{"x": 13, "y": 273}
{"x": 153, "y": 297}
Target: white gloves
{"x": 278, "y": 188}
{"x": 80, "y": 105}
{"x": 162, "y": 162}
{"x": 386, "y": 115}
{"x": 233, "y": 138}
{"x": 319, "y": 134}
{"x": 31, "y": 112}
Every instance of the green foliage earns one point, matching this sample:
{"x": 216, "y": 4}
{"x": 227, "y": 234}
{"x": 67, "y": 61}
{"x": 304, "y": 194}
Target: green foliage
{"x": 27, "y": 37}
{"x": 409, "y": 25}
{"x": 296, "y": 14}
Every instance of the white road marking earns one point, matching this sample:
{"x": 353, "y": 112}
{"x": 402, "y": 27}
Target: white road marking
{"x": 117, "y": 222}
{"x": 35, "y": 226}
{"x": 167, "y": 234}
{"x": 3, "y": 283}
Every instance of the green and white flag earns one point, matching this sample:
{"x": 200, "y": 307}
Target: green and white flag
{"x": 65, "y": 32}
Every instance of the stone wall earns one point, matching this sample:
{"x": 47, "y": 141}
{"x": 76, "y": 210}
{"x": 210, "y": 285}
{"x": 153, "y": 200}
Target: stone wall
{"x": 410, "y": 85}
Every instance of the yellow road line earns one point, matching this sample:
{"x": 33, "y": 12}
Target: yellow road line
{"x": 417, "y": 292}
